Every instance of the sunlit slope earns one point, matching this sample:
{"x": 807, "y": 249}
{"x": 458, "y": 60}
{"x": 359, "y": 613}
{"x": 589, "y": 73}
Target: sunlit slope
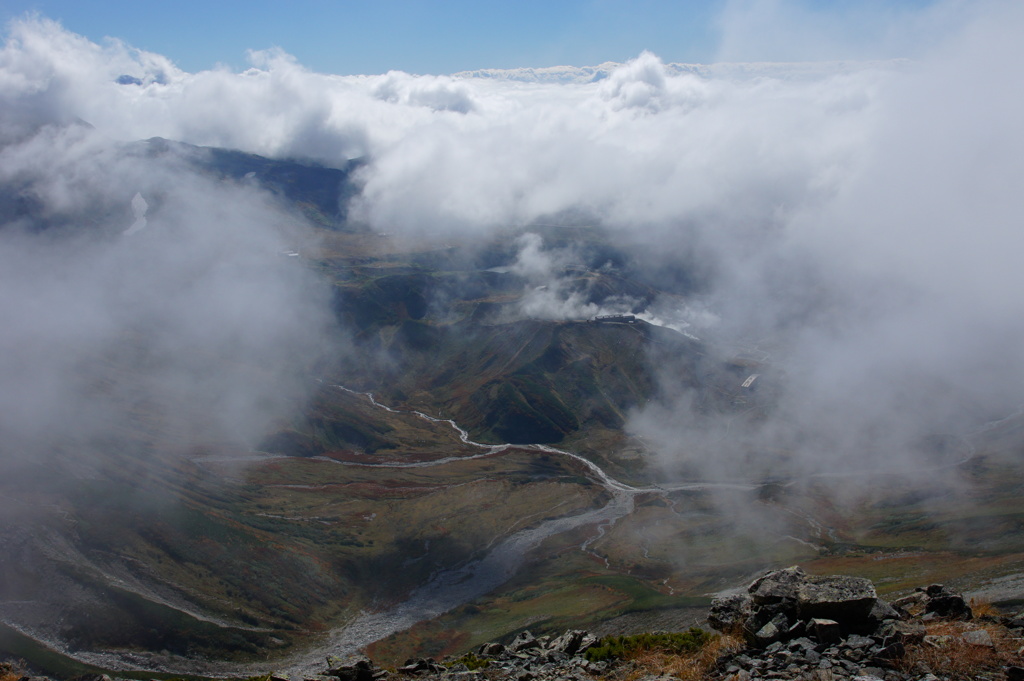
{"x": 463, "y": 343}
{"x": 531, "y": 381}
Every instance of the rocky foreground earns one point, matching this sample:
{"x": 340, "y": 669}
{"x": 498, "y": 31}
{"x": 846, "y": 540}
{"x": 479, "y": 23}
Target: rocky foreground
{"x": 785, "y": 625}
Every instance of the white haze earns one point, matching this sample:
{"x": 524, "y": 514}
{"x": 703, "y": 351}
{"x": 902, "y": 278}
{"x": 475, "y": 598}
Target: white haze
{"x": 861, "y": 223}
{"x": 147, "y": 308}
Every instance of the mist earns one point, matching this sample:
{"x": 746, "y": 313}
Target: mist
{"x": 148, "y": 309}
{"x": 886, "y": 299}
{"x": 854, "y": 223}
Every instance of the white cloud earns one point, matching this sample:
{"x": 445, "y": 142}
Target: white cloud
{"x": 791, "y": 30}
{"x": 641, "y": 83}
{"x": 438, "y": 93}
{"x": 194, "y": 329}
{"x": 865, "y": 216}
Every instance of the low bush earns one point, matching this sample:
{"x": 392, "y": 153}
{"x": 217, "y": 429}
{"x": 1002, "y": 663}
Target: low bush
{"x": 472, "y": 662}
{"x": 693, "y": 661}
{"x": 10, "y": 671}
{"x": 624, "y": 647}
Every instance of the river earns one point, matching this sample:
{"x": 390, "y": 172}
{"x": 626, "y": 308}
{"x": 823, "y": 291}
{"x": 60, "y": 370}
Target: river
{"x": 452, "y": 588}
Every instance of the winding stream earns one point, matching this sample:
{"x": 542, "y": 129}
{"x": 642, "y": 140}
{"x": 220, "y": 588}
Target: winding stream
{"x": 452, "y": 588}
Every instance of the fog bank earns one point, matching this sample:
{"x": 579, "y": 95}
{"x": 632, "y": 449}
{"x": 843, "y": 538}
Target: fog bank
{"x": 856, "y": 224}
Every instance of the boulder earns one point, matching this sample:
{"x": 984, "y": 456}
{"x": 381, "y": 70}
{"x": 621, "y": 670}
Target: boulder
{"x": 858, "y": 642}
{"x": 935, "y": 600}
{"x": 912, "y": 605}
{"x": 826, "y": 630}
{"x": 840, "y": 598}
{"x": 978, "y": 637}
{"x": 729, "y": 613}
{"x": 779, "y": 586}
{"x": 790, "y": 600}
{"x": 882, "y": 611}
{"x": 949, "y": 606}
{"x": 771, "y": 632}
{"x": 523, "y": 641}
{"x": 491, "y": 649}
{"x": 904, "y": 632}
{"x": 572, "y": 642}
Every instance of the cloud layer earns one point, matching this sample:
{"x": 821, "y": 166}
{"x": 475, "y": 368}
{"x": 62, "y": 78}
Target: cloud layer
{"x": 857, "y": 222}
{"x": 147, "y": 308}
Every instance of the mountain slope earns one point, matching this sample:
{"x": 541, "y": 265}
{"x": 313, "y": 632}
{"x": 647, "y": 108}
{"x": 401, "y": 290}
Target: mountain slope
{"x": 153, "y": 540}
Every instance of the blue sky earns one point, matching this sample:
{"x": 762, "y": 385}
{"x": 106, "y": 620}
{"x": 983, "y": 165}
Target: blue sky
{"x": 444, "y": 36}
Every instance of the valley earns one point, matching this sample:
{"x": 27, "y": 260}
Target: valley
{"x": 461, "y": 464}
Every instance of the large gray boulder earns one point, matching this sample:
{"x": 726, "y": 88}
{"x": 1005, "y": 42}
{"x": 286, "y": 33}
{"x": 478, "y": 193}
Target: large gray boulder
{"x": 946, "y": 603}
{"x": 785, "y": 603}
{"x": 779, "y": 586}
{"x": 836, "y": 597}
{"x": 523, "y": 641}
{"x": 729, "y": 613}
{"x": 935, "y": 601}
{"x": 572, "y": 642}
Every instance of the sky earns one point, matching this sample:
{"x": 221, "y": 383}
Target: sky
{"x": 447, "y": 36}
